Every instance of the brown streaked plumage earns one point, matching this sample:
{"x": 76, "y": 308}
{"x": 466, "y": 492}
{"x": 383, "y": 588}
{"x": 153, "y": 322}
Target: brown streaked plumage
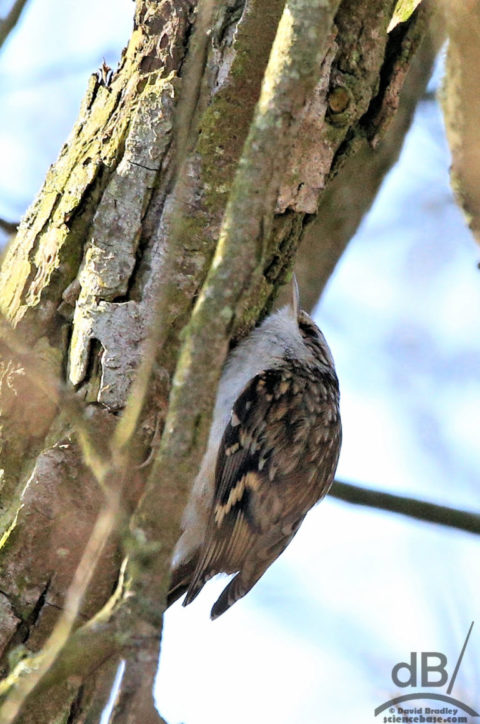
{"x": 276, "y": 458}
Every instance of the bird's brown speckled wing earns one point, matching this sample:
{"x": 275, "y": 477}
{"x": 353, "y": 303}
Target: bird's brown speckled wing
{"x": 277, "y": 459}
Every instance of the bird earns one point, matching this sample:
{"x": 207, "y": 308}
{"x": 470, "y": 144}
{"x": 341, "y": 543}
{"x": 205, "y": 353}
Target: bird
{"x": 271, "y": 455}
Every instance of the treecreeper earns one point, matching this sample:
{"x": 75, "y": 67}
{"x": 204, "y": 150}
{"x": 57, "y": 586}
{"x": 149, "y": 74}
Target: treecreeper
{"x": 271, "y": 455}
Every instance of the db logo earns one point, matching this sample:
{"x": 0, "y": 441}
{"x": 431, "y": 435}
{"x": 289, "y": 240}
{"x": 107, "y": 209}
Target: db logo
{"x": 424, "y": 669}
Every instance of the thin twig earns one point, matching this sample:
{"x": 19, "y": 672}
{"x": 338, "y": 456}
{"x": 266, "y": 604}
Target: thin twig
{"x": 9, "y": 22}
{"x": 9, "y": 227}
{"x": 411, "y": 507}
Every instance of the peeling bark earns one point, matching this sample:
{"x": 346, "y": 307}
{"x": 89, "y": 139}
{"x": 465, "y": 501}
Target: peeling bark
{"x": 353, "y": 189}
{"x": 184, "y": 147}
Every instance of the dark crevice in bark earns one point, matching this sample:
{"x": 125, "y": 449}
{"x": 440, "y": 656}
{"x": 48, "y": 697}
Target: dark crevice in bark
{"x": 31, "y": 621}
{"x": 393, "y": 54}
{"x": 345, "y": 150}
{"x": 141, "y": 267}
{"x": 24, "y": 628}
{"x": 232, "y": 16}
{"x": 65, "y": 327}
{"x": 93, "y": 371}
{"x": 189, "y": 30}
{"x": 290, "y": 223}
{"x": 159, "y": 192}
{"x": 82, "y": 215}
{"x": 401, "y": 46}
{"x": 76, "y": 706}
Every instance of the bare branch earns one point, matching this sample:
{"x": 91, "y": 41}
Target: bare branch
{"x": 411, "y": 507}
{"x": 9, "y": 22}
{"x": 9, "y": 227}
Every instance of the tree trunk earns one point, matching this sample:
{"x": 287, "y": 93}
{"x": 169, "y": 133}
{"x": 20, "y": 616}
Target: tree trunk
{"x": 163, "y": 233}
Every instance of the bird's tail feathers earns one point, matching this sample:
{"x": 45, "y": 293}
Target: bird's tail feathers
{"x": 180, "y": 580}
{"x": 237, "y": 588}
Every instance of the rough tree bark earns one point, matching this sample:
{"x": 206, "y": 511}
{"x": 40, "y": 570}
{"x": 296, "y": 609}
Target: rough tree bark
{"x": 461, "y": 101}
{"x": 180, "y": 199}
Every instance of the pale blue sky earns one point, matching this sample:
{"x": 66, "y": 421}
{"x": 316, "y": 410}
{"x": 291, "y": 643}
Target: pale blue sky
{"x": 317, "y": 638}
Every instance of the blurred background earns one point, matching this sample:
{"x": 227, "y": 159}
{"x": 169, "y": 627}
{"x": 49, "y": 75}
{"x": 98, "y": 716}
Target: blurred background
{"x": 358, "y": 589}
